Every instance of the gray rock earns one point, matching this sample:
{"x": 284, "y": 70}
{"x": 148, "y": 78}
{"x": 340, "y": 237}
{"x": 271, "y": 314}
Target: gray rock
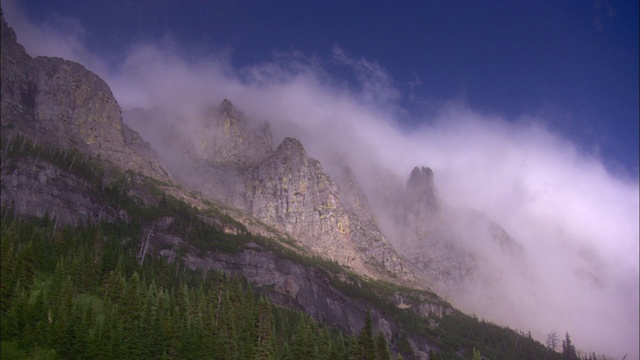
{"x": 61, "y": 103}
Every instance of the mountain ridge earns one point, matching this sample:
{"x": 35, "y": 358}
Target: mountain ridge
{"x": 64, "y": 126}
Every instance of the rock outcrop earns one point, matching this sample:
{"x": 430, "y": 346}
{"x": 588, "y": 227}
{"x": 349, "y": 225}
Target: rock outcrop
{"x": 229, "y": 139}
{"x": 290, "y": 191}
{"x": 38, "y": 188}
{"x": 61, "y": 103}
{"x": 307, "y": 288}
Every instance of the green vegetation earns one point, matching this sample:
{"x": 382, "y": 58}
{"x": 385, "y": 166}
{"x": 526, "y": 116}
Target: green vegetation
{"x": 80, "y": 293}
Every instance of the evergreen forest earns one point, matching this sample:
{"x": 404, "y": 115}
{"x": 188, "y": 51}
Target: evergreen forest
{"x": 77, "y": 293}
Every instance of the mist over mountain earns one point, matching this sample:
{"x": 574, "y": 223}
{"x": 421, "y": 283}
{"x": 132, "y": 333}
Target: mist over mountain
{"x": 505, "y": 218}
{"x": 575, "y": 221}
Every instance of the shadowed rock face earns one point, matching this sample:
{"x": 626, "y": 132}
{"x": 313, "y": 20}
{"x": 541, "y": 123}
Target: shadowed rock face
{"x": 37, "y": 188}
{"x": 303, "y": 287}
{"x": 61, "y": 103}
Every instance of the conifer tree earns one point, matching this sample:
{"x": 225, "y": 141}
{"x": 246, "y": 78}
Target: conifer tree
{"x": 131, "y": 312}
{"x": 226, "y": 336}
{"x": 365, "y": 340}
{"x": 381, "y": 347}
{"x": 265, "y": 349}
{"x": 303, "y": 345}
{"x": 353, "y": 348}
{"x": 476, "y": 354}
{"x": 338, "y": 348}
{"x": 7, "y": 265}
{"x": 568, "y": 350}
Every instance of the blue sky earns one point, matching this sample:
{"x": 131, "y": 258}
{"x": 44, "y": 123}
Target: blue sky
{"x": 574, "y": 63}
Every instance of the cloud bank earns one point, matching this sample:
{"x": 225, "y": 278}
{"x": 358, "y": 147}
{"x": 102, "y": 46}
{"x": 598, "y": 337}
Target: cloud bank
{"x": 578, "y": 222}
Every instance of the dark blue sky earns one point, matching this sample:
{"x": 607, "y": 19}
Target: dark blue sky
{"x": 574, "y": 63}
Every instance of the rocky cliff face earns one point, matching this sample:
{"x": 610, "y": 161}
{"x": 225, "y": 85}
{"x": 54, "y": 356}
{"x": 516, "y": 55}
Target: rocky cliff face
{"x": 227, "y": 138}
{"x": 222, "y": 137}
{"x": 229, "y": 157}
{"x": 290, "y": 191}
{"x": 60, "y": 102}
{"x": 38, "y": 188}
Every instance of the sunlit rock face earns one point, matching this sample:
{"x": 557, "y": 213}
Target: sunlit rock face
{"x": 59, "y": 102}
{"x": 290, "y": 191}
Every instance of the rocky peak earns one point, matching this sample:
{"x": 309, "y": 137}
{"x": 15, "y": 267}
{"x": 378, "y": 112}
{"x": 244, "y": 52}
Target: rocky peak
{"x": 61, "y": 103}
{"x": 11, "y": 49}
{"x": 226, "y": 106}
{"x": 421, "y": 178}
{"x": 291, "y": 147}
{"x": 291, "y": 192}
{"x": 226, "y": 137}
{"x": 421, "y": 189}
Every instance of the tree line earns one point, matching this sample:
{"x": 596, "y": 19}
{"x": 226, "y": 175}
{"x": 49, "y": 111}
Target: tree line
{"x": 80, "y": 293}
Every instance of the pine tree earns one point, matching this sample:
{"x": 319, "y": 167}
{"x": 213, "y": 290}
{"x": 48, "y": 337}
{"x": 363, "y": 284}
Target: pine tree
{"x": 476, "y": 354}
{"x": 365, "y": 340}
{"x": 552, "y": 341}
{"x": 324, "y": 343}
{"x": 353, "y": 349}
{"x": 226, "y": 335}
{"x": 303, "y": 344}
{"x": 568, "y": 350}
{"x": 338, "y": 348}
{"x": 131, "y": 310}
{"x": 25, "y": 265}
{"x": 265, "y": 349}
{"x": 7, "y": 264}
{"x": 381, "y": 347}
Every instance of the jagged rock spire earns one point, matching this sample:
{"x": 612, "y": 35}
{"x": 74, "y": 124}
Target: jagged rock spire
{"x": 226, "y": 106}
{"x": 291, "y": 146}
{"x": 421, "y": 189}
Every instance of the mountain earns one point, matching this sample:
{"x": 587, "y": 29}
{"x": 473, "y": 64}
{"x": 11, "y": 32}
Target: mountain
{"x": 226, "y": 200}
{"x": 230, "y": 158}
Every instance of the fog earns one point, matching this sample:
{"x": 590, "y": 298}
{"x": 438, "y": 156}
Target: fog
{"x": 578, "y": 222}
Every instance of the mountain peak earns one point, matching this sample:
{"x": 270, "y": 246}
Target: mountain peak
{"x": 292, "y": 146}
{"x": 421, "y": 192}
{"x": 226, "y": 106}
{"x": 10, "y": 45}
{"x": 421, "y": 178}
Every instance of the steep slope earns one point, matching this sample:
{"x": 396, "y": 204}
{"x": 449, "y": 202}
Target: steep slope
{"x": 60, "y": 102}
